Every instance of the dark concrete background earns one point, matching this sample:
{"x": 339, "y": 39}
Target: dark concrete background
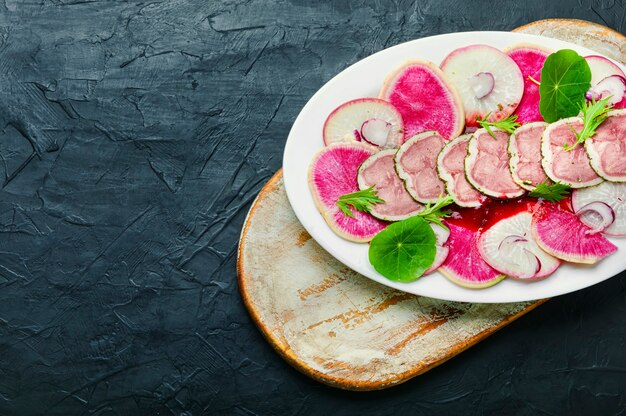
{"x": 134, "y": 137}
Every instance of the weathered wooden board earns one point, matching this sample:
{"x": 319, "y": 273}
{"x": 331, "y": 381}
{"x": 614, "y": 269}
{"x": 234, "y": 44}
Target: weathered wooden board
{"x": 343, "y": 329}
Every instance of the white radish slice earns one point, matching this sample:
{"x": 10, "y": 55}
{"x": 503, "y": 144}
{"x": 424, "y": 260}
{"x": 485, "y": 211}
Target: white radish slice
{"x": 597, "y": 215}
{"x": 601, "y": 68}
{"x": 442, "y": 235}
{"x": 613, "y": 86}
{"x": 469, "y": 70}
{"x": 482, "y": 84}
{"x": 345, "y": 123}
{"x": 508, "y": 247}
{"x": 610, "y": 193}
{"x": 376, "y": 131}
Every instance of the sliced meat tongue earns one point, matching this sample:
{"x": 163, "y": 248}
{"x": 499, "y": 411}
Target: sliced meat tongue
{"x": 416, "y": 163}
{"x": 571, "y": 167}
{"x": 525, "y": 155}
{"x": 607, "y": 148}
{"x": 487, "y": 165}
{"x": 451, "y": 167}
{"x": 379, "y": 171}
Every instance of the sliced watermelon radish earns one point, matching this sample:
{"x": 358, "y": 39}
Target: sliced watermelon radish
{"x": 602, "y": 69}
{"x": 465, "y": 266}
{"x": 571, "y": 167}
{"x": 561, "y": 234}
{"x": 333, "y": 173}
{"x": 586, "y": 203}
{"x": 379, "y": 120}
{"x": 416, "y": 163}
{"x": 529, "y": 59}
{"x": 451, "y": 169}
{"x": 606, "y": 148}
{"x": 487, "y": 165}
{"x": 508, "y": 247}
{"x": 525, "y": 155}
{"x": 442, "y": 236}
{"x": 379, "y": 171}
{"x": 465, "y": 68}
{"x": 426, "y": 100}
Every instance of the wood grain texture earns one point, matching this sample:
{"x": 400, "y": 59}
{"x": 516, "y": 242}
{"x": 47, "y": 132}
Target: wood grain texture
{"x": 343, "y": 329}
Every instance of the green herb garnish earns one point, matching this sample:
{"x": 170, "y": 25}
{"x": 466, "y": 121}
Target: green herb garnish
{"x": 565, "y": 78}
{"x": 433, "y": 212}
{"x": 509, "y": 124}
{"x": 551, "y": 192}
{"x": 593, "y": 114}
{"x": 404, "y": 250}
{"x": 360, "y": 200}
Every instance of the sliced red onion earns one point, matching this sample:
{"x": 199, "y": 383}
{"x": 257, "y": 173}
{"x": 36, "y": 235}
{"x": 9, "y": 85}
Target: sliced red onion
{"x": 613, "y": 86}
{"x": 597, "y": 216}
{"x": 482, "y": 84}
{"x": 357, "y": 135}
{"x": 511, "y": 239}
{"x": 533, "y": 257}
{"x": 375, "y": 131}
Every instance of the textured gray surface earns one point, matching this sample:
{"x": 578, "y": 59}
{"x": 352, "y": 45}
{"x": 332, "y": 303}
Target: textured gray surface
{"x": 134, "y": 138}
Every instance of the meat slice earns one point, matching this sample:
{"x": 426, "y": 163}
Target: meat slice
{"x": 607, "y": 148}
{"x": 416, "y": 163}
{"x": 451, "y": 167}
{"x": 525, "y": 155}
{"x": 379, "y": 171}
{"x": 570, "y": 167}
{"x": 487, "y": 165}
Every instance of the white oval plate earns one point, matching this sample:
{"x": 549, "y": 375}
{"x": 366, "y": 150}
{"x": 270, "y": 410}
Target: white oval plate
{"x": 364, "y": 79}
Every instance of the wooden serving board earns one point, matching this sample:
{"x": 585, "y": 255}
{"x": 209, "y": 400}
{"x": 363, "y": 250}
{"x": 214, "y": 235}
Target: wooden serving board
{"x": 348, "y": 331}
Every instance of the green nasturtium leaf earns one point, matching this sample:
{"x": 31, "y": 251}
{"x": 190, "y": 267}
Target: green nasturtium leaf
{"x": 404, "y": 250}
{"x": 565, "y": 78}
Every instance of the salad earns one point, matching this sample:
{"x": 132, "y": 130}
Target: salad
{"x": 493, "y": 164}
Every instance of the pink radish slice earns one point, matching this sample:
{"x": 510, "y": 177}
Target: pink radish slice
{"x": 462, "y": 67}
{"x": 596, "y": 215}
{"x": 613, "y": 86}
{"x": 379, "y": 171}
{"x": 416, "y": 164}
{"x": 482, "y": 84}
{"x": 333, "y": 173}
{"x": 442, "y": 236}
{"x": 525, "y": 155}
{"x": 601, "y": 68}
{"x": 465, "y": 266}
{"x": 426, "y": 100}
{"x": 376, "y": 131}
{"x": 508, "y": 247}
{"x": 451, "y": 168}
{"x": 487, "y": 165}
{"x": 571, "y": 167}
{"x": 561, "y": 234}
{"x": 530, "y": 60}
{"x": 345, "y": 123}
{"x": 609, "y": 193}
